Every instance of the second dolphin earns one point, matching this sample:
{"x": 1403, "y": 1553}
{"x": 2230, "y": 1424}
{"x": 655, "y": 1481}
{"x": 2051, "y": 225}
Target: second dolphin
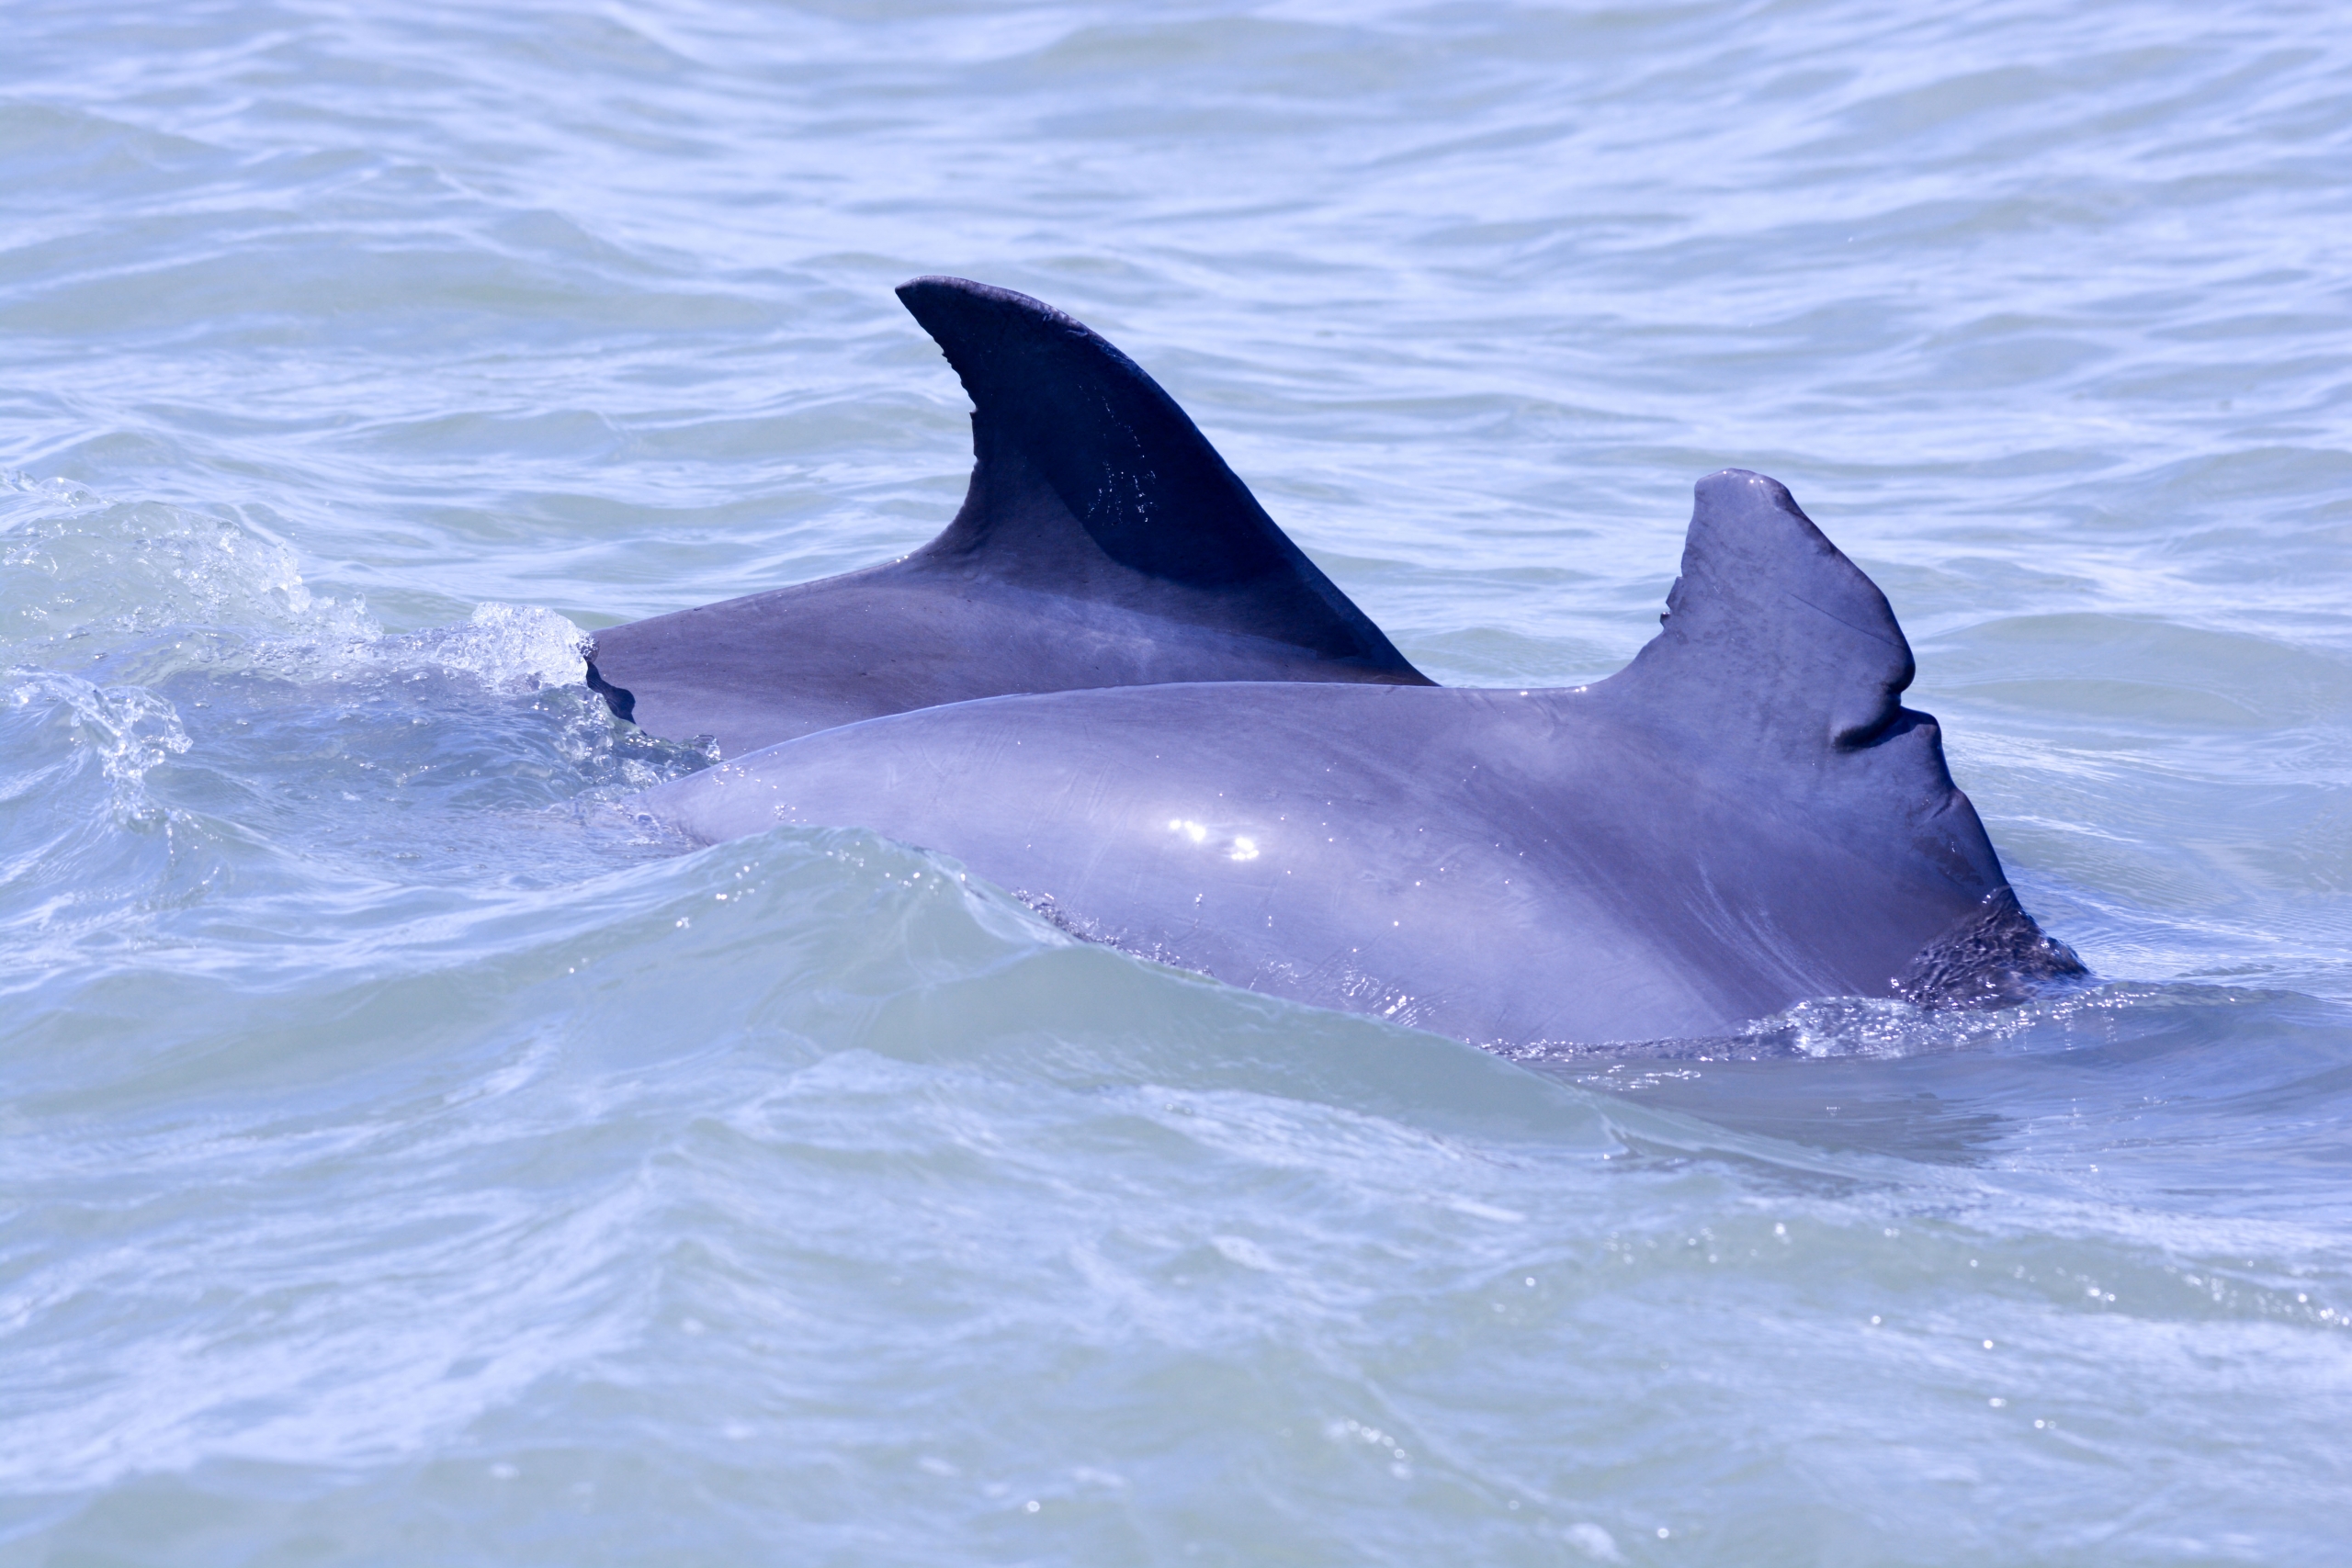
{"x": 1103, "y": 543}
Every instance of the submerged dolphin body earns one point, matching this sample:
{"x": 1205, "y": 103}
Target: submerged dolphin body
{"x": 1103, "y": 543}
{"x": 1743, "y": 819}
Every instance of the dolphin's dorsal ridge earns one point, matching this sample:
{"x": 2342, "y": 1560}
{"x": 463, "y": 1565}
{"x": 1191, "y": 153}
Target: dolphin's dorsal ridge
{"x": 1066, "y": 428}
{"x": 1771, "y": 631}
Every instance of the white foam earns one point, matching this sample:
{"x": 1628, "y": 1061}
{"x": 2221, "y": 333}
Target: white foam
{"x": 130, "y": 728}
{"x": 80, "y": 567}
{"x": 509, "y": 648}
{"x": 100, "y": 575}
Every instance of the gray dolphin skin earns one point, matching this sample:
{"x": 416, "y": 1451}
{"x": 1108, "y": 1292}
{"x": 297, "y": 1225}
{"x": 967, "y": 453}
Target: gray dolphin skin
{"x": 1743, "y": 819}
{"x": 1103, "y": 543}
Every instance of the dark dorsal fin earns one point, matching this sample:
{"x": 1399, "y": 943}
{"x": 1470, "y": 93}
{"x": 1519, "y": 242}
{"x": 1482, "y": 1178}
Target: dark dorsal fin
{"x": 1066, "y": 427}
{"x": 1771, "y": 634}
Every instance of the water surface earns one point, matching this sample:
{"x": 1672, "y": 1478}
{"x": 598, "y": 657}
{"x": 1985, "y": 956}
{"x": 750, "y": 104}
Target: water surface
{"x": 403, "y": 1158}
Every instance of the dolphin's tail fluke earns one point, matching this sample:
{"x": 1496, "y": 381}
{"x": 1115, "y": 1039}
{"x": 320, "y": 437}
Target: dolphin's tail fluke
{"x": 1082, "y": 462}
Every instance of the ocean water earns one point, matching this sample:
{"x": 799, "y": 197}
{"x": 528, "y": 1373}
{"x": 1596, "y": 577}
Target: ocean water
{"x": 406, "y": 1159}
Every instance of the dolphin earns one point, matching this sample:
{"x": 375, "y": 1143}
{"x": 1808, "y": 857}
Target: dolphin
{"x": 1102, "y": 541}
{"x": 1743, "y": 819}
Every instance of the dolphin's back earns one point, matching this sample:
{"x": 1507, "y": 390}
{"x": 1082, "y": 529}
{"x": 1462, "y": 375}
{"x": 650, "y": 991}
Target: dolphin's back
{"x": 1102, "y": 541}
{"x": 1743, "y": 819}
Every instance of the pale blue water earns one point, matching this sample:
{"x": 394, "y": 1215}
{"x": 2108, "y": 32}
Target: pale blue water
{"x": 402, "y": 1160}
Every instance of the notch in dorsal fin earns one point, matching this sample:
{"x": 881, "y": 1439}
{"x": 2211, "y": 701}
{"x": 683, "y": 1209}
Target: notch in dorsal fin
{"x": 1771, "y": 632}
{"x": 1066, "y": 428}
